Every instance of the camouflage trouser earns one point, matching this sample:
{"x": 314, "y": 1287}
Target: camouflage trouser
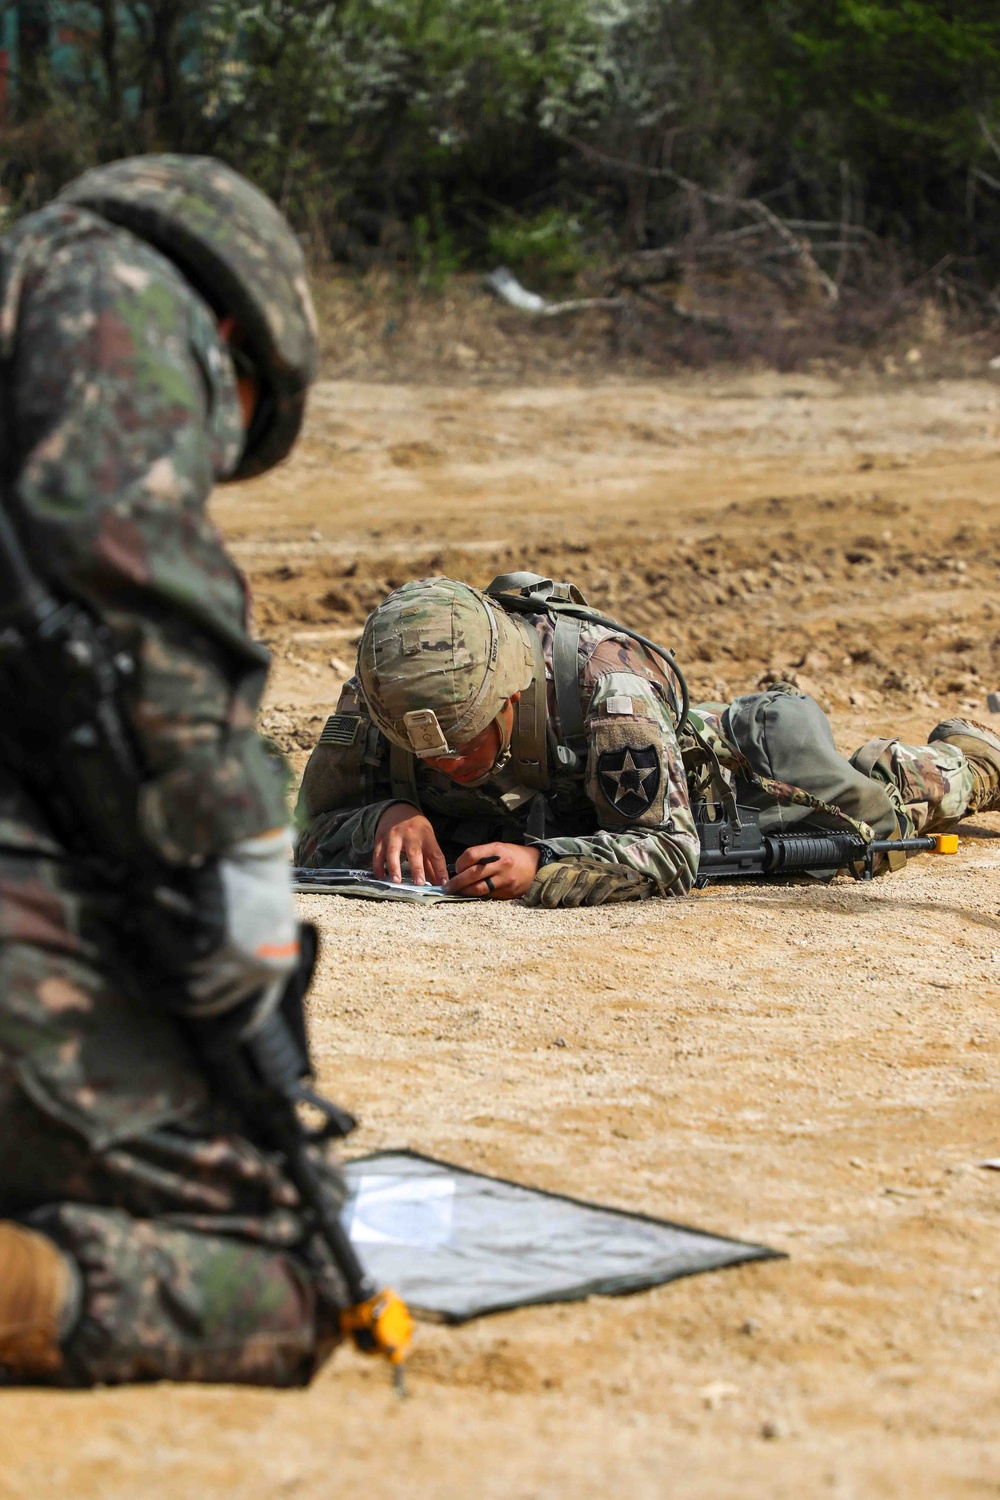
{"x": 193, "y": 1261}
{"x": 929, "y": 786}
{"x": 890, "y": 786}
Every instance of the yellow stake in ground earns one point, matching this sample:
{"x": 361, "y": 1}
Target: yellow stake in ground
{"x": 382, "y": 1325}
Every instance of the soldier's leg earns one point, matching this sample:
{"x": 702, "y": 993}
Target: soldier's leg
{"x": 140, "y": 1300}
{"x": 164, "y": 1303}
{"x": 210, "y": 1277}
{"x": 183, "y": 1238}
{"x": 786, "y": 737}
{"x": 934, "y": 785}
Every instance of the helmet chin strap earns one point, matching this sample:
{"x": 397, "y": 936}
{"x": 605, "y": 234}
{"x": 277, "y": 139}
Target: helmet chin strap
{"x": 503, "y": 754}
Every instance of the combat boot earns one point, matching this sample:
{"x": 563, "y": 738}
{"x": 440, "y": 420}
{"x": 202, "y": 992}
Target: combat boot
{"x": 39, "y": 1296}
{"x": 981, "y": 748}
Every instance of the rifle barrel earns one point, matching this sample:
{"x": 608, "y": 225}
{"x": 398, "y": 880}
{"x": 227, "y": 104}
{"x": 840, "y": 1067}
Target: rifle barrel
{"x": 778, "y": 853}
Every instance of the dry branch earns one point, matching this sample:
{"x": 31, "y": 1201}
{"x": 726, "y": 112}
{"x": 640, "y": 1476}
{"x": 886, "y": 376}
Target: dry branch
{"x": 768, "y": 236}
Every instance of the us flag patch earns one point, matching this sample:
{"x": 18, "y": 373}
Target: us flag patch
{"x": 341, "y": 729}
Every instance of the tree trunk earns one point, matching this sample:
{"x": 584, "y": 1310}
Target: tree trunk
{"x": 108, "y": 41}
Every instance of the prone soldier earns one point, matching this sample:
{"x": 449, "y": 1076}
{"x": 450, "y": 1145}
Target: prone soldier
{"x": 156, "y": 335}
{"x": 514, "y": 744}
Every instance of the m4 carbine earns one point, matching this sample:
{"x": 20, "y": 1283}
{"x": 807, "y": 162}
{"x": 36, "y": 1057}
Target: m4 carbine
{"x": 727, "y": 851}
{"x": 63, "y": 735}
{"x": 66, "y": 741}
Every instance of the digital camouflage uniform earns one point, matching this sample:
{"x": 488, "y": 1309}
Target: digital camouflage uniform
{"x": 626, "y": 796}
{"x": 121, "y": 412}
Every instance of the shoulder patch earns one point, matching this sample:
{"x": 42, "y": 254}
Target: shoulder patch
{"x": 619, "y": 704}
{"x": 340, "y": 729}
{"x": 630, "y": 778}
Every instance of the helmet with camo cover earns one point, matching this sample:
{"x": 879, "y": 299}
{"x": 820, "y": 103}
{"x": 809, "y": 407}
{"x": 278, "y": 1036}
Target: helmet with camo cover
{"x": 437, "y": 662}
{"x": 239, "y": 251}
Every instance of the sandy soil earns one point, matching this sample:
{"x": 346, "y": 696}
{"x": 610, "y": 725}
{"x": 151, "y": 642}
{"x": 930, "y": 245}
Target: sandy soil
{"x": 812, "y": 1068}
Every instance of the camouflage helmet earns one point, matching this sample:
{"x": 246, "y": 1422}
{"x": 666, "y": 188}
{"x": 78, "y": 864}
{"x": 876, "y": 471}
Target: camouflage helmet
{"x": 436, "y": 663}
{"x": 239, "y": 252}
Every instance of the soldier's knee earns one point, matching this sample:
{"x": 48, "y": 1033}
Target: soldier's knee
{"x": 875, "y": 759}
{"x": 160, "y": 1303}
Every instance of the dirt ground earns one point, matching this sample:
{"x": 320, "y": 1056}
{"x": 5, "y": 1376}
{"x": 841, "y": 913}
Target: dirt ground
{"x": 814, "y": 1068}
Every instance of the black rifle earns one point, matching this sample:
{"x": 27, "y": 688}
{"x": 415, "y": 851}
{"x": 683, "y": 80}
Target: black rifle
{"x": 727, "y": 851}
{"x": 63, "y": 735}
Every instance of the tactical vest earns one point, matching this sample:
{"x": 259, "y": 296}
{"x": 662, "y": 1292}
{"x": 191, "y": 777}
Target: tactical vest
{"x": 530, "y": 594}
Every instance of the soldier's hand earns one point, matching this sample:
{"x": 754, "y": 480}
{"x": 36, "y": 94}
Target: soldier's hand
{"x": 403, "y": 830}
{"x": 581, "y": 881}
{"x": 500, "y": 871}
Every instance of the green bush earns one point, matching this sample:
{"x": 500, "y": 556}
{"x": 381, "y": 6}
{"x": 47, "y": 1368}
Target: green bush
{"x": 440, "y": 132}
{"x": 902, "y": 92}
{"x": 376, "y": 111}
{"x": 546, "y": 250}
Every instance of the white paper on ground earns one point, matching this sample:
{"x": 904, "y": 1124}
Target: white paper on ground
{"x": 414, "y": 1211}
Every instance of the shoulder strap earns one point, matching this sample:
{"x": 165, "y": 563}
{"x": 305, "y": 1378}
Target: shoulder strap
{"x": 403, "y": 775}
{"x": 531, "y": 593}
{"x": 567, "y": 608}
{"x": 530, "y": 745}
{"x": 566, "y": 673}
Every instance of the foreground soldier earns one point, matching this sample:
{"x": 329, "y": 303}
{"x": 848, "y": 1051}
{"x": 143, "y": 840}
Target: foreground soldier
{"x": 157, "y": 335}
{"x": 537, "y": 755}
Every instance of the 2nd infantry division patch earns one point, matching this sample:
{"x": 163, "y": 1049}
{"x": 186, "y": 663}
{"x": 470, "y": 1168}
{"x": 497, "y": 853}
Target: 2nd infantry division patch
{"x": 630, "y": 779}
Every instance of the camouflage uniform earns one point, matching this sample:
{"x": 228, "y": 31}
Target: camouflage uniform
{"x": 620, "y": 797}
{"x": 785, "y": 736}
{"x": 121, "y": 411}
{"x": 626, "y": 796}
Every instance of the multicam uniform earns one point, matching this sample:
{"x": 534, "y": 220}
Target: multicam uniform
{"x": 623, "y": 791}
{"x": 121, "y": 404}
{"x": 616, "y": 793}
{"x": 784, "y": 736}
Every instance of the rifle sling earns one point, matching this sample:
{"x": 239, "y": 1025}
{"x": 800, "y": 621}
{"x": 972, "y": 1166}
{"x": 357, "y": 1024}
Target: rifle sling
{"x": 403, "y": 775}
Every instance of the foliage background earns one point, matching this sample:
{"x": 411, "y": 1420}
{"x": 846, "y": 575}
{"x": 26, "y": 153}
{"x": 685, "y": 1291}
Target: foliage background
{"x": 557, "y": 135}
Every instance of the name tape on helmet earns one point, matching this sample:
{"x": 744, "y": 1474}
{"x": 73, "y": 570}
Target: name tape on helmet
{"x": 425, "y": 733}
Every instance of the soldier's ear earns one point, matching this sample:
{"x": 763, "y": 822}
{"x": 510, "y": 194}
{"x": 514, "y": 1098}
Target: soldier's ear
{"x": 514, "y": 698}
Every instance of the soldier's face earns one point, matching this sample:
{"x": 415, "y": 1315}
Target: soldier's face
{"x": 247, "y": 385}
{"x": 249, "y": 394}
{"x": 478, "y": 757}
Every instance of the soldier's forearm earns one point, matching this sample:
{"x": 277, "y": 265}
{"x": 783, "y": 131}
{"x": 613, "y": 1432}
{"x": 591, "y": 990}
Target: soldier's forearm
{"x": 670, "y": 859}
{"x": 343, "y": 839}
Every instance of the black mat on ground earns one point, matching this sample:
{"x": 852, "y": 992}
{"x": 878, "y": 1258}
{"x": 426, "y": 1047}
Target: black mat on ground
{"x": 456, "y": 1244}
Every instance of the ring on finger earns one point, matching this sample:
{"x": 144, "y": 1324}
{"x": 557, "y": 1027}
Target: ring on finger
{"x": 488, "y": 883}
